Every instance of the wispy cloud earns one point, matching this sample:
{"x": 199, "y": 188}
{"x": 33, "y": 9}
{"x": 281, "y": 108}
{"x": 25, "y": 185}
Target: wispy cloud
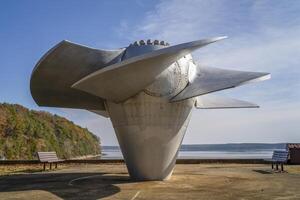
{"x": 263, "y": 36}
{"x": 273, "y": 123}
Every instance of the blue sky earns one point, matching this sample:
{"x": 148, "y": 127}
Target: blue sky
{"x": 263, "y": 36}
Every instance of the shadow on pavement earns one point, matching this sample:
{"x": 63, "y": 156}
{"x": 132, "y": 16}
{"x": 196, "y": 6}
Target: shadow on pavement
{"x": 66, "y": 185}
{"x": 262, "y": 171}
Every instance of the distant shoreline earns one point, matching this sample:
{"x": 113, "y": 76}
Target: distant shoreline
{"x": 212, "y": 151}
{"x": 86, "y": 157}
{"x": 116, "y": 161}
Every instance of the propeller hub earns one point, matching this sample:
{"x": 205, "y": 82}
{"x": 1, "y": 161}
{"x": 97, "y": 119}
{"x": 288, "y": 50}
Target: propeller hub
{"x": 143, "y": 46}
{"x": 150, "y": 42}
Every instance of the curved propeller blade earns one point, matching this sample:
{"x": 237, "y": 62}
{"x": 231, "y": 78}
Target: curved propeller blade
{"x": 209, "y": 79}
{"x": 209, "y": 101}
{"x": 63, "y": 65}
{"x": 123, "y": 80}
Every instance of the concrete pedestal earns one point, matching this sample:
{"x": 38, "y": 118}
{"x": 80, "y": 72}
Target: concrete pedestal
{"x": 150, "y": 131}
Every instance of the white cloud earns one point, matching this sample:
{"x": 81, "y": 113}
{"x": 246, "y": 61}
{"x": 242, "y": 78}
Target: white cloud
{"x": 276, "y": 123}
{"x": 263, "y": 36}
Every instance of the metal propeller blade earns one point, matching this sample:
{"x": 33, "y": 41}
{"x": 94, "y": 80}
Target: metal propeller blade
{"x": 209, "y": 79}
{"x": 209, "y": 101}
{"x": 123, "y": 80}
{"x": 63, "y": 65}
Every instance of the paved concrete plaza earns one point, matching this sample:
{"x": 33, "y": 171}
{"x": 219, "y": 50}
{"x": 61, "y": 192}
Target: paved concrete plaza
{"x": 189, "y": 181}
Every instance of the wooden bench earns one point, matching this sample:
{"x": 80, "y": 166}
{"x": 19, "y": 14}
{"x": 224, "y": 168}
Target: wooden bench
{"x": 279, "y": 157}
{"x": 48, "y": 157}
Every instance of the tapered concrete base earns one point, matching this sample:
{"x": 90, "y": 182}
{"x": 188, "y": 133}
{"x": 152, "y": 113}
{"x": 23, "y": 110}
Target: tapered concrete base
{"x": 150, "y": 131}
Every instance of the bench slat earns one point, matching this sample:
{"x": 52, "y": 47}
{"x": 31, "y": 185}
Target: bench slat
{"x": 48, "y": 157}
{"x": 280, "y": 156}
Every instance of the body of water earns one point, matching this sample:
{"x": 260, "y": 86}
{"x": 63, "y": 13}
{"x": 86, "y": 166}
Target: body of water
{"x": 213, "y": 151}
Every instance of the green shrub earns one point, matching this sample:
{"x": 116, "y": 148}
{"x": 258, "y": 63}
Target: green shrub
{"x": 23, "y": 132}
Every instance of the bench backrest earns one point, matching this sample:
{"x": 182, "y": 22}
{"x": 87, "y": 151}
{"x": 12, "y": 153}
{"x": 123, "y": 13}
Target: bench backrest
{"x": 47, "y": 156}
{"x": 280, "y": 156}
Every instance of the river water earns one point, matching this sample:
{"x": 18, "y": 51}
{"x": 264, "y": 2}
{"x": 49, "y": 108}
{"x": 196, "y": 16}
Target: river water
{"x": 213, "y": 151}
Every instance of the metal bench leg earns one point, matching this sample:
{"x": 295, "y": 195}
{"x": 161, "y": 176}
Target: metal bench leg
{"x": 276, "y": 166}
{"x": 50, "y": 165}
{"x": 55, "y": 165}
{"x": 44, "y": 168}
{"x": 281, "y": 166}
{"x": 272, "y": 165}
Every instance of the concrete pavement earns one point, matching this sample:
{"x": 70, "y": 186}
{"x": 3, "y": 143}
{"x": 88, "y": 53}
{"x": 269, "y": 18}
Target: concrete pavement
{"x": 189, "y": 181}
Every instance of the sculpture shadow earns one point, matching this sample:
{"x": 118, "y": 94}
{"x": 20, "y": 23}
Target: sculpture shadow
{"x": 66, "y": 185}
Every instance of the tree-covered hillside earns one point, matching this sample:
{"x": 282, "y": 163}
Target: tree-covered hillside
{"x": 23, "y": 132}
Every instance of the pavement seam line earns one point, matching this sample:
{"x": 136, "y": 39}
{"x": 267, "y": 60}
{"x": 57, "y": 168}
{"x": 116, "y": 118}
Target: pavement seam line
{"x": 76, "y": 179}
{"x": 135, "y": 196}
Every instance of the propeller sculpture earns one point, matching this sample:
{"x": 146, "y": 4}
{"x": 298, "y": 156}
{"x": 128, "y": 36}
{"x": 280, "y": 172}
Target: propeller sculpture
{"x": 147, "y": 89}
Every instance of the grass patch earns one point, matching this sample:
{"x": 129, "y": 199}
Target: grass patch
{"x": 26, "y": 169}
{"x": 293, "y": 169}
